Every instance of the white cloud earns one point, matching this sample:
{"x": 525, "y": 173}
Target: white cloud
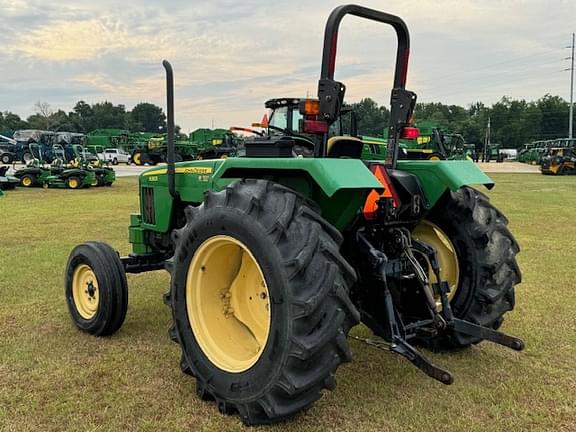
{"x": 231, "y": 56}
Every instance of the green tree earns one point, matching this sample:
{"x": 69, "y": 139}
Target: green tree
{"x": 11, "y": 122}
{"x": 147, "y": 117}
{"x": 372, "y": 119}
{"x": 554, "y": 120}
{"x": 82, "y": 116}
{"x": 108, "y": 116}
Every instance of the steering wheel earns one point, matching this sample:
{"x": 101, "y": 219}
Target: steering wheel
{"x": 307, "y": 142}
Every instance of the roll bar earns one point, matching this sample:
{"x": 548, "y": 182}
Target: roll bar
{"x": 331, "y": 92}
{"x": 331, "y": 39}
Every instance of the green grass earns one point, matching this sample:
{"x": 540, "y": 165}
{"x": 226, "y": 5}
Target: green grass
{"x": 54, "y": 378}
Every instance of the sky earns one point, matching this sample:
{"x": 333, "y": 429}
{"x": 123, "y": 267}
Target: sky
{"x": 229, "y": 56}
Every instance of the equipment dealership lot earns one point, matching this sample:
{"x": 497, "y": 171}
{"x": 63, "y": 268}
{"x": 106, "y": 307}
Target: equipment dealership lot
{"x": 54, "y": 378}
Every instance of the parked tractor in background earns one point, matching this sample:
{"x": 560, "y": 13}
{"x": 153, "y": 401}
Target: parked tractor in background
{"x": 275, "y": 256}
{"x": 109, "y": 138}
{"x": 532, "y": 153}
{"x": 493, "y": 153}
{"x": 214, "y": 143}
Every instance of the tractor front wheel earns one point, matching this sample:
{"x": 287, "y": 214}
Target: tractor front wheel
{"x": 96, "y": 288}
{"x": 27, "y": 180}
{"x": 259, "y": 299}
{"x": 477, "y": 257}
{"x": 73, "y": 182}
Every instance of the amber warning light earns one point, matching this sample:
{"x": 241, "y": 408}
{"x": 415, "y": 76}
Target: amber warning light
{"x": 310, "y": 107}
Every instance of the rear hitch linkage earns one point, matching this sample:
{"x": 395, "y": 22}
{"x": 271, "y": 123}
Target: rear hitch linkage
{"x": 395, "y": 333}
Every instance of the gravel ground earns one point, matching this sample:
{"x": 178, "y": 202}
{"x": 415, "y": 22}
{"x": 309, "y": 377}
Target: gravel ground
{"x": 509, "y": 167}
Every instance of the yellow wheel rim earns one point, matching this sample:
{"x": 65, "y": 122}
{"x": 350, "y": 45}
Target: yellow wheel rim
{"x": 448, "y": 259}
{"x": 137, "y": 159}
{"x": 26, "y": 182}
{"x": 73, "y": 183}
{"x": 85, "y": 291}
{"x": 433, "y": 158}
{"x": 228, "y": 303}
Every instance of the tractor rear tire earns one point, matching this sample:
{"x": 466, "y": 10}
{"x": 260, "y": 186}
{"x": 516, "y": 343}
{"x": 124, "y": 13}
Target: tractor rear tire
{"x": 137, "y": 159}
{"x": 96, "y": 288}
{"x": 486, "y": 253}
{"x": 259, "y": 239}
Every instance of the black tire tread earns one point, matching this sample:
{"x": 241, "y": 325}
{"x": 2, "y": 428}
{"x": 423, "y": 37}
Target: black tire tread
{"x": 322, "y": 312}
{"x": 495, "y": 251}
{"x": 106, "y": 263}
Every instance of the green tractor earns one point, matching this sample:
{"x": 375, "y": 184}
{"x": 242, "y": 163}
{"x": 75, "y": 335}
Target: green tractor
{"x": 494, "y": 153}
{"x": 276, "y": 255}
{"x": 154, "y": 150}
{"x": 532, "y": 153}
{"x": 214, "y": 143}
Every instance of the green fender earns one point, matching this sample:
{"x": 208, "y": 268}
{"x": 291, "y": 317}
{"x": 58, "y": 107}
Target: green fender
{"x": 438, "y": 176}
{"x": 331, "y": 175}
{"x": 339, "y": 186}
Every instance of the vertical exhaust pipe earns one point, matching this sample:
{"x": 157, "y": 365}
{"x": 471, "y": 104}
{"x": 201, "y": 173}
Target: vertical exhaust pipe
{"x": 170, "y": 114}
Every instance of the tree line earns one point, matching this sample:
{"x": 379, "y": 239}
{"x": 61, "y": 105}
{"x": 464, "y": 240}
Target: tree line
{"x": 513, "y": 122}
{"x": 84, "y": 117}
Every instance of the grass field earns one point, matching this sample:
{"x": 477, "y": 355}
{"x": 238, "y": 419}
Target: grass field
{"x": 54, "y": 378}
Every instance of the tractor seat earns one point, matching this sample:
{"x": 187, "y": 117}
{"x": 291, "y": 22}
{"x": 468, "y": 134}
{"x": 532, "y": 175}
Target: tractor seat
{"x": 345, "y": 146}
{"x": 57, "y": 163}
